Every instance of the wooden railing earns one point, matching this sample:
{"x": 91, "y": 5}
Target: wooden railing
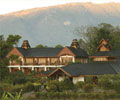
{"x": 47, "y": 63}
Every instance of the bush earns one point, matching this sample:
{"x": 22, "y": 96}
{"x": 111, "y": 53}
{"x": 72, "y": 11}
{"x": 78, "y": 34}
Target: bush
{"x": 89, "y": 79}
{"x": 28, "y": 87}
{"x": 105, "y": 83}
{"x": 18, "y": 77}
{"x": 117, "y": 86}
{"x": 67, "y": 84}
{"x": 1, "y": 91}
{"x": 79, "y": 84}
{"x": 88, "y": 87}
{"x": 52, "y": 86}
{"x": 31, "y": 77}
{"x": 37, "y": 88}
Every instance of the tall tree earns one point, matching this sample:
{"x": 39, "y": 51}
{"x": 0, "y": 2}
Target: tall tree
{"x": 90, "y": 36}
{"x": 5, "y": 46}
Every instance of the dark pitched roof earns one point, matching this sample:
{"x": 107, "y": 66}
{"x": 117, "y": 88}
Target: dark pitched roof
{"x": 93, "y": 68}
{"x": 79, "y": 52}
{"x": 108, "y": 53}
{"x": 40, "y": 52}
{"x": 48, "y": 72}
{"x": 49, "y": 52}
{"x": 118, "y": 59}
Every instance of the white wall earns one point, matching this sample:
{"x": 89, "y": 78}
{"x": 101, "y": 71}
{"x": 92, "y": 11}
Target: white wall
{"x": 78, "y": 79}
{"x": 61, "y": 78}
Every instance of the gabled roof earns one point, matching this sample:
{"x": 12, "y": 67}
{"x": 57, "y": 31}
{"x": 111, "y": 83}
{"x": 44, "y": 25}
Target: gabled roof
{"x": 49, "y": 52}
{"x": 105, "y": 45}
{"x": 75, "y": 52}
{"x": 14, "y": 51}
{"x": 40, "y": 52}
{"x": 93, "y": 68}
{"x": 79, "y": 52}
{"x": 107, "y": 40}
{"x": 107, "y": 53}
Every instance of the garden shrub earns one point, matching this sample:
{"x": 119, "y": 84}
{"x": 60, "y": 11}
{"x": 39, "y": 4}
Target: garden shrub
{"x": 88, "y": 87}
{"x": 31, "y": 77}
{"x": 1, "y": 91}
{"x": 79, "y": 84}
{"x": 89, "y": 79}
{"x": 105, "y": 83}
{"x": 28, "y": 87}
{"x": 117, "y": 86}
{"x": 37, "y": 88}
{"x": 67, "y": 84}
{"x": 52, "y": 86}
{"x": 18, "y": 77}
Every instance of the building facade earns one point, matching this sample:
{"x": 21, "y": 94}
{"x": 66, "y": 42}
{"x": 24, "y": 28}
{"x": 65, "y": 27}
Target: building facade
{"x": 104, "y": 61}
{"x": 105, "y": 53}
{"x": 43, "y": 59}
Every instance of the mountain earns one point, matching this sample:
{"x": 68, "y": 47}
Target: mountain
{"x": 54, "y": 25}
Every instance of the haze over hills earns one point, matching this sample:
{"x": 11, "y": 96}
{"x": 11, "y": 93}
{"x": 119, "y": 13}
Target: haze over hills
{"x": 55, "y": 25}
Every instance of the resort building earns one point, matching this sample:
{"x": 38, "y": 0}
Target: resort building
{"x": 105, "y": 52}
{"x": 105, "y": 61}
{"x": 43, "y": 59}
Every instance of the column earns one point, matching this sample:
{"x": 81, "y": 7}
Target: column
{"x": 10, "y": 62}
{"x": 22, "y": 69}
{"x": 19, "y": 67}
{"x": 22, "y": 61}
{"x": 48, "y": 61}
{"x": 45, "y": 69}
{"x": 32, "y": 68}
{"x": 10, "y": 69}
{"x": 73, "y": 59}
{"x": 60, "y": 61}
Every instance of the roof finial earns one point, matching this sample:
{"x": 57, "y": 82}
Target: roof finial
{"x": 25, "y": 44}
{"x": 75, "y": 44}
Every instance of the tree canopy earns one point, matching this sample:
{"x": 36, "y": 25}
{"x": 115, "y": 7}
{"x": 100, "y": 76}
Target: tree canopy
{"x": 5, "y": 46}
{"x": 91, "y": 36}
{"x": 41, "y": 46}
{"x": 59, "y": 46}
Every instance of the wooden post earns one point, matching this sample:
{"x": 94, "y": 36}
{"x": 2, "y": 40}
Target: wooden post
{"x": 32, "y": 68}
{"x": 23, "y": 70}
{"x": 48, "y": 60}
{"x": 45, "y": 69}
{"x": 10, "y": 69}
{"x": 73, "y": 59}
{"x": 25, "y": 61}
{"x": 19, "y": 67}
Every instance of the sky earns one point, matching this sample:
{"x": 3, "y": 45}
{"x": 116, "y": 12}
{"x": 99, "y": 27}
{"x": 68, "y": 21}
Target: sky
{"x": 8, "y": 6}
